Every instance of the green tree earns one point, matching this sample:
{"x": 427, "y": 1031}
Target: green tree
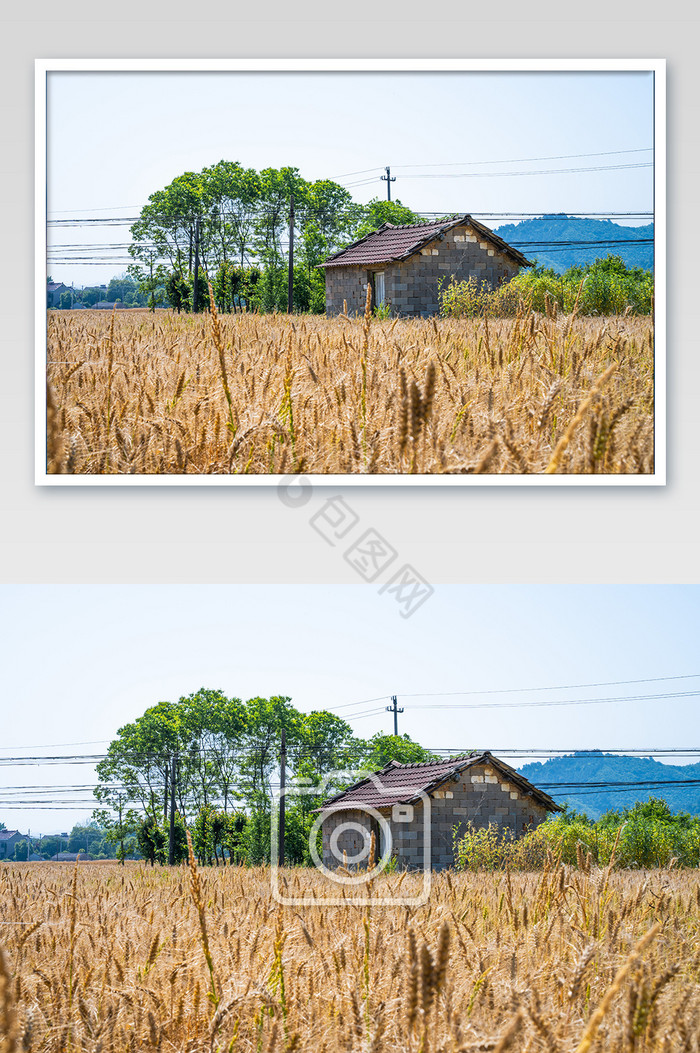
{"x": 152, "y": 841}
{"x": 202, "y": 731}
{"x": 243, "y": 219}
{"x": 120, "y": 825}
{"x": 137, "y": 766}
{"x": 231, "y": 198}
{"x": 91, "y": 296}
{"x": 178, "y": 291}
{"x": 180, "y": 848}
{"x": 65, "y": 301}
{"x": 379, "y": 212}
{"x": 86, "y": 838}
{"x": 22, "y": 851}
{"x": 327, "y": 221}
{"x": 49, "y": 846}
{"x": 233, "y": 839}
{"x": 249, "y": 287}
{"x": 210, "y": 728}
{"x": 260, "y": 748}
{"x": 381, "y": 749}
{"x": 122, "y": 288}
{"x": 205, "y": 832}
{"x": 151, "y": 278}
{"x": 168, "y": 222}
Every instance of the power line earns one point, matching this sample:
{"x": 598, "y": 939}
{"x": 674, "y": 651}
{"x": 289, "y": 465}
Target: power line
{"x": 523, "y": 160}
{"x": 303, "y": 751}
{"x": 176, "y": 219}
{"x": 106, "y": 247}
{"x": 527, "y": 172}
{"x": 565, "y": 215}
{"x": 575, "y": 752}
{"x": 520, "y": 690}
{"x": 561, "y": 702}
{"x": 556, "y": 687}
{"x": 106, "y": 208}
{"x": 608, "y": 783}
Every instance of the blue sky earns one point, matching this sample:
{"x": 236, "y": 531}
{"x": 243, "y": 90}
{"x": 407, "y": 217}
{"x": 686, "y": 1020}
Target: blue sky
{"x": 80, "y": 661}
{"x": 478, "y": 142}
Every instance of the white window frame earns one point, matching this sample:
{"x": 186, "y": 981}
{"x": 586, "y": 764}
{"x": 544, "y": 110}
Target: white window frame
{"x": 379, "y": 283}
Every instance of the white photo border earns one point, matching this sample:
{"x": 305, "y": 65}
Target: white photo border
{"x": 43, "y": 67}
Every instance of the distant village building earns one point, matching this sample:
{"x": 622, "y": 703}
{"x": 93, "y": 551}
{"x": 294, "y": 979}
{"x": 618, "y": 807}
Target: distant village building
{"x": 109, "y": 305}
{"x": 9, "y": 839}
{"x": 419, "y": 806}
{"x": 54, "y": 291}
{"x": 405, "y": 265}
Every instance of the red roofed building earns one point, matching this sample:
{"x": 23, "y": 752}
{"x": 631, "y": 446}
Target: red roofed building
{"x": 406, "y": 265}
{"x": 413, "y": 810}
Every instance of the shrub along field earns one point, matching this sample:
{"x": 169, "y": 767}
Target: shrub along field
{"x": 604, "y": 287}
{"x": 134, "y": 392}
{"x": 647, "y": 835}
{"x": 106, "y": 958}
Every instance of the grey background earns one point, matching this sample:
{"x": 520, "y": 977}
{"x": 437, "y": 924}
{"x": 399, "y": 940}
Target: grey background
{"x": 449, "y": 535}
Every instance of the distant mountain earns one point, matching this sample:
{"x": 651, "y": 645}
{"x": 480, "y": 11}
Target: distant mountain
{"x": 589, "y": 768}
{"x": 538, "y": 240}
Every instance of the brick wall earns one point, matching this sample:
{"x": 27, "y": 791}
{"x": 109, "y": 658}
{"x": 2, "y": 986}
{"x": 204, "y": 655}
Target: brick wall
{"x": 349, "y": 840}
{"x": 479, "y": 794}
{"x": 412, "y": 286}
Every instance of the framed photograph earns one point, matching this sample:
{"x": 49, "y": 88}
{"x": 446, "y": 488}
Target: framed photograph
{"x": 360, "y": 272}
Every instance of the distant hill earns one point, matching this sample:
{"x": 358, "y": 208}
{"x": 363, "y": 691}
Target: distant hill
{"x": 536, "y": 237}
{"x": 605, "y": 767}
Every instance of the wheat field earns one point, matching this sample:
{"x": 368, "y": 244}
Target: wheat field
{"x": 102, "y": 958}
{"x": 142, "y": 393}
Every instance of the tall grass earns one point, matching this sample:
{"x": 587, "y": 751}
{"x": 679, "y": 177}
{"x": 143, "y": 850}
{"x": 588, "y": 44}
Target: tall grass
{"x": 216, "y": 394}
{"x": 563, "y": 960}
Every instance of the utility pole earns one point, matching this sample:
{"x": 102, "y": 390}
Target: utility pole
{"x": 171, "y": 838}
{"x": 195, "y": 288}
{"x": 395, "y": 710}
{"x": 283, "y": 780}
{"x": 388, "y": 179}
{"x": 290, "y": 275}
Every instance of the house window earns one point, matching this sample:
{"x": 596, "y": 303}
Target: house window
{"x": 378, "y": 288}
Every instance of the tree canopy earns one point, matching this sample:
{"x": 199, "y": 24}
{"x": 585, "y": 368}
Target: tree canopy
{"x": 236, "y": 220}
{"x": 225, "y": 756}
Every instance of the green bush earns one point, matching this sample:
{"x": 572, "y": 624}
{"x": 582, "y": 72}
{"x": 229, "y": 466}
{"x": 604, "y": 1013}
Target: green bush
{"x": 604, "y": 287}
{"x": 645, "y": 836}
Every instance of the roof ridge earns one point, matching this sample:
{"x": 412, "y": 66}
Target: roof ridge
{"x": 444, "y": 760}
{"x": 395, "y": 243}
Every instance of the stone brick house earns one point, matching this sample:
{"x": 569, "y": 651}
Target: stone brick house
{"x": 406, "y": 264}
{"x": 413, "y": 810}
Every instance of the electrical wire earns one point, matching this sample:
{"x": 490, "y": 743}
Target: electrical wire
{"x": 528, "y": 172}
{"x": 523, "y": 160}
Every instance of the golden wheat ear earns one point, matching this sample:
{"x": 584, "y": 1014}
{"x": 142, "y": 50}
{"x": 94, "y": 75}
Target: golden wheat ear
{"x": 257, "y": 394}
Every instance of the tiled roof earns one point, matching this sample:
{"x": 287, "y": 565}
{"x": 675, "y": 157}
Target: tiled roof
{"x": 402, "y": 783}
{"x": 6, "y": 835}
{"x": 390, "y": 244}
